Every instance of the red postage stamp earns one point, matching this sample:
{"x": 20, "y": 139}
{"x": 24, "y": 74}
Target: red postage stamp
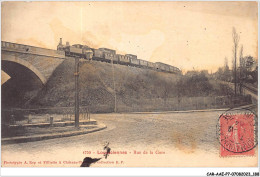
{"x": 237, "y": 134}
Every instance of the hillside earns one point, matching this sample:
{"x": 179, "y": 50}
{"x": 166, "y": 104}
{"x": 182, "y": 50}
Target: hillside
{"x": 134, "y": 86}
{"x": 137, "y": 89}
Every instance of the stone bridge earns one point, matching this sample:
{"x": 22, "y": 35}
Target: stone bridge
{"x": 40, "y": 61}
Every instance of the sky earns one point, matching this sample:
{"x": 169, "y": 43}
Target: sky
{"x": 188, "y": 35}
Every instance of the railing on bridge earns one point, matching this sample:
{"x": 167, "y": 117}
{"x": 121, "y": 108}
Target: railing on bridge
{"x": 27, "y": 49}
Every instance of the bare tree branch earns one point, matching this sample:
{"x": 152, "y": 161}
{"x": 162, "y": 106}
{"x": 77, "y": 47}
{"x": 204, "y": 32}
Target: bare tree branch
{"x": 235, "y": 41}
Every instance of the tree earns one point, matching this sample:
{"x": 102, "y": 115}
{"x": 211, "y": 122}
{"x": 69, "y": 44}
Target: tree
{"x": 235, "y": 37}
{"x": 240, "y": 70}
{"x": 226, "y": 64}
{"x": 226, "y": 71}
{"x": 220, "y": 73}
{"x": 250, "y": 69}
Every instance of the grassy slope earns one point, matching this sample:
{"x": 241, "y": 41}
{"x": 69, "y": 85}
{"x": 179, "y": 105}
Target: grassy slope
{"x": 133, "y": 86}
{"x": 137, "y": 89}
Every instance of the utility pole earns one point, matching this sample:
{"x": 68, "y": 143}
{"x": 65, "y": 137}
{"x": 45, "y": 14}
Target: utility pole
{"x": 76, "y": 74}
{"x": 112, "y": 62}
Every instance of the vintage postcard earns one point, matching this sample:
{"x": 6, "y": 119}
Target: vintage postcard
{"x": 129, "y": 84}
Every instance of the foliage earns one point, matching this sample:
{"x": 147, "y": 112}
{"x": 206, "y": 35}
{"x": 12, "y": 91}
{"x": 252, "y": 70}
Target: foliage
{"x": 195, "y": 84}
{"x": 247, "y": 71}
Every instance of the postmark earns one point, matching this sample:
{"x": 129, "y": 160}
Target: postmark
{"x": 237, "y": 131}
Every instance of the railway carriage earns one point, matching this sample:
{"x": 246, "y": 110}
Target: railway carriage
{"x": 171, "y": 69}
{"x": 163, "y": 66}
{"x": 143, "y": 63}
{"x": 104, "y": 54}
{"x": 151, "y": 65}
{"x": 131, "y": 56}
{"x": 98, "y": 53}
{"x": 108, "y": 55}
{"x": 167, "y": 68}
{"x": 107, "y": 50}
{"x": 133, "y": 59}
{"x": 128, "y": 60}
{"x": 114, "y": 58}
{"x": 159, "y": 67}
{"x": 177, "y": 70}
{"x": 122, "y": 59}
{"x": 134, "y": 62}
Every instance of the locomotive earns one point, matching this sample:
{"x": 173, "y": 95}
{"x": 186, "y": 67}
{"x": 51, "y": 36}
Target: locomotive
{"x": 109, "y": 55}
{"x": 76, "y": 50}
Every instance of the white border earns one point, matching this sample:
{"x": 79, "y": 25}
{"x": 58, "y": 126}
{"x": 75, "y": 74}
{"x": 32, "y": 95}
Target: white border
{"x": 126, "y": 171}
{"x": 119, "y": 171}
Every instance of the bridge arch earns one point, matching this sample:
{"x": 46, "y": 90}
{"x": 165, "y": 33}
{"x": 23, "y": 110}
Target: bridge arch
{"x": 26, "y": 64}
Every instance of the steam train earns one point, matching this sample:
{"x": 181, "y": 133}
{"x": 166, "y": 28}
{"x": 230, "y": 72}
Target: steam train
{"x": 109, "y": 55}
